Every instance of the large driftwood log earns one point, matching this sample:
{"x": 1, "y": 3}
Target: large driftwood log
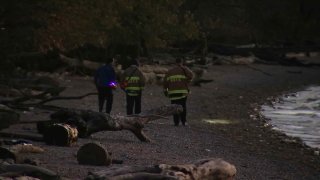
{"x": 156, "y": 74}
{"x": 14, "y": 152}
{"x": 16, "y": 170}
{"x": 78, "y": 64}
{"x": 89, "y": 122}
{"x": 61, "y": 135}
{"x": 213, "y": 169}
{"x": 29, "y": 88}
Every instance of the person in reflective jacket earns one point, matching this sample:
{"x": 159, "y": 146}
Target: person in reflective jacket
{"x": 134, "y": 81}
{"x": 176, "y": 88}
{"x": 105, "y": 81}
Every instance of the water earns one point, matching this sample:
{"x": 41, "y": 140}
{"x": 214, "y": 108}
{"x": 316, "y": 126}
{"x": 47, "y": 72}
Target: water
{"x": 298, "y": 115}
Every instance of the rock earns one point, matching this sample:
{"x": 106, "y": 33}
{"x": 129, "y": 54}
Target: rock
{"x": 93, "y": 154}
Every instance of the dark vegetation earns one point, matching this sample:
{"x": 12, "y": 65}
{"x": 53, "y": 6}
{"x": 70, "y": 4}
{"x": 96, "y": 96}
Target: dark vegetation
{"x": 35, "y": 31}
{"x": 78, "y": 35}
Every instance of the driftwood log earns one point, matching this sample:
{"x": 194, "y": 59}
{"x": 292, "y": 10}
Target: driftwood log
{"x": 88, "y": 122}
{"x": 17, "y": 170}
{"x": 15, "y": 152}
{"x": 29, "y": 87}
{"x": 213, "y": 169}
{"x": 61, "y": 135}
{"x": 12, "y": 163}
{"x": 79, "y": 65}
{"x": 156, "y": 74}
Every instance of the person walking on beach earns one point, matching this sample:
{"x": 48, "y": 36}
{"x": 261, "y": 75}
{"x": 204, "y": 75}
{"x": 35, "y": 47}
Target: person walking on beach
{"x": 105, "y": 81}
{"x": 133, "y": 82}
{"x": 176, "y": 88}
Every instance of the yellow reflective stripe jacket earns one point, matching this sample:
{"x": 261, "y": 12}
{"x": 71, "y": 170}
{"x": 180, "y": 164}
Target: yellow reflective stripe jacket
{"x": 176, "y": 82}
{"x": 135, "y": 78}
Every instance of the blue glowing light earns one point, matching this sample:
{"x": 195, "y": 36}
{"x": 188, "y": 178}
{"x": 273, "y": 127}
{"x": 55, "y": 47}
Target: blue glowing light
{"x": 113, "y": 84}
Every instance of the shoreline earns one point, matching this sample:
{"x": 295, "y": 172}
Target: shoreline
{"x": 257, "y": 151}
{"x": 268, "y": 123}
{"x": 271, "y": 143}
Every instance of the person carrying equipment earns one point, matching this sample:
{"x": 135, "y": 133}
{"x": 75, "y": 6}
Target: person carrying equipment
{"x": 105, "y": 81}
{"x": 133, "y": 82}
{"x": 175, "y": 87}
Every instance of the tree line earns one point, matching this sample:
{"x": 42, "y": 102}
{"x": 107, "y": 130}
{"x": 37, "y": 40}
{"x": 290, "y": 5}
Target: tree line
{"x": 138, "y": 27}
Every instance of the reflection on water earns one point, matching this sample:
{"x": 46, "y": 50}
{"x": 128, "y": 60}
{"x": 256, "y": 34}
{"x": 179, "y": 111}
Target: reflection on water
{"x": 298, "y": 115}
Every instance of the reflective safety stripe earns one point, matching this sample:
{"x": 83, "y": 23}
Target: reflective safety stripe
{"x": 133, "y": 94}
{"x": 182, "y": 91}
{"x": 176, "y": 78}
{"x": 133, "y": 79}
{"x": 178, "y": 97}
{"x": 177, "y": 94}
{"x": 134, "y": 88}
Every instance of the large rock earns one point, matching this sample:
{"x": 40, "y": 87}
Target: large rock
{"x": 93, "y": 154}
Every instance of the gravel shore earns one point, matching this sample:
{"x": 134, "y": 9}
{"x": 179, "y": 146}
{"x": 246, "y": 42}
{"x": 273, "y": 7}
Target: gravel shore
{"x": 238, "y": 135}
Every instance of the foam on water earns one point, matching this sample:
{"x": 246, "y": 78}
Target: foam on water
{"x": 298, "y": 115}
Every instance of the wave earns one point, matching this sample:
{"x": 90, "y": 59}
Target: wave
{"x": 297, "y": 115}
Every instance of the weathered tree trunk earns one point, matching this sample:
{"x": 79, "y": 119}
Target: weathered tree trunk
{"x": 14, "y": 152}
{"x": 80, "y": 64}
{"x": 213, "y": 169}
{"x": 15, "y": 170}
{"x": 14, "y": 155}
{"x": 30, "y": 88}
{"x": 89, "y": 122}
{"x": 61, "y": 135}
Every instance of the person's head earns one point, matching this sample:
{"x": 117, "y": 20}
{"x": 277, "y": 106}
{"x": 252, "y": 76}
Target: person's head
{"x": 179, "y": 61}
{"x": 109, "y": 60}
{"x": 135, "y": 62}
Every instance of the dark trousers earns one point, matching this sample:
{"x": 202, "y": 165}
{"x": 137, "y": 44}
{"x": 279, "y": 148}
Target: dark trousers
{"x": 133, "y": 102}
{"x": 183, "y": 115}
{"x": 105, "y": 94}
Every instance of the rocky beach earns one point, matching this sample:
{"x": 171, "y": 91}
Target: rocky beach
{"x": 224, "y": 121}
